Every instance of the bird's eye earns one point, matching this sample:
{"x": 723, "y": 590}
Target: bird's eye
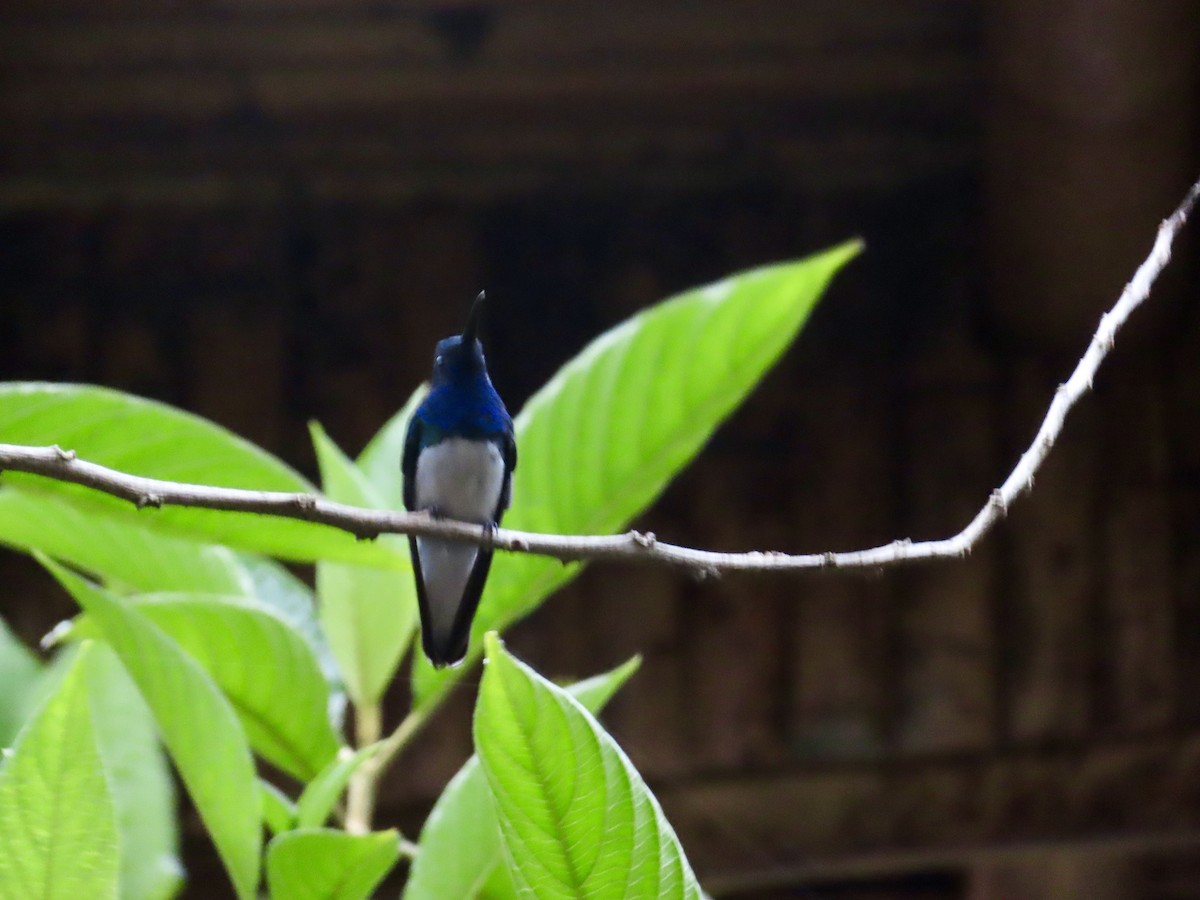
{"x": 439, "y": 359}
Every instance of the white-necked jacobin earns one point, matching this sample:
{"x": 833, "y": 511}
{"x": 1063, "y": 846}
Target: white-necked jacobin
{"x": 459, "y": 455}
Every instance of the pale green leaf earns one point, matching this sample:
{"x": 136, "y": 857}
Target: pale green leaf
{"x": 19, "y": 675}
{"x": 323, "y": 864}
{"x": 595, "y": 692}
{"x": 143, "y": 792}
{"x": 275, "y": 586}
{"x": 265, "y": 669}
{"x": 58, "y": 834}
{"x": 380, "y": 459}
{"x": 124, "y": 554}
{"x": 279, "y": 812}
{"x": 321, "y": 794}
{"x": 610, "y": 430}
{"x": 499, "y": 885}
{"x": 460, "y": 846}
{"x": 142, "y": 437}
{"x": 369, "y": 614}
{"x": 576, "y": 818}
{"x": 196, "y": 722}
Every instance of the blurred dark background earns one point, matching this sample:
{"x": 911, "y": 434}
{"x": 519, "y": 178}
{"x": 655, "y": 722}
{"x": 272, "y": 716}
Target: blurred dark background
{"x": 267, "y": 211}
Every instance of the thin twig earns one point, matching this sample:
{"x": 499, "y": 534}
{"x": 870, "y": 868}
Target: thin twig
{"x": 54, "y": 462}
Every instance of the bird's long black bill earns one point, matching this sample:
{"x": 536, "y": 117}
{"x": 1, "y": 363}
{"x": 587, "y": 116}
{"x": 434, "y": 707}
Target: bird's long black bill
{"x": 471, "y": 331}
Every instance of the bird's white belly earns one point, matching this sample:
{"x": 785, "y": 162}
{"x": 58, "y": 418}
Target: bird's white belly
{"x": 461, "y": 478}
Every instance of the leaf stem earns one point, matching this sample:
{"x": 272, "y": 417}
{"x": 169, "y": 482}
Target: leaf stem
{"x": 364, "y": 783}
{"x": 408, "y": 727}
{"x": 360, "y": 795}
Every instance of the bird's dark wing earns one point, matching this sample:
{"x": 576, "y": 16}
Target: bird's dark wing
{"x": 457, "y": 641}
{"x": 508, "y": 451}
{"x": 435, "y": 654}
{"x": 408, "y": 463}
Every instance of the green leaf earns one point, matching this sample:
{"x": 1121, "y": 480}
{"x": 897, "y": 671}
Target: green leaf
{"x": 610, "y": 430}
{"x": 143, "y": 793}
{"x": 500, "y": 884}
{"x": 19, "y": 675}
{"x": 380, "y": 459}
{"x": 197, "y": 723}
{"x": 275, "y": 586}
{"x": 98, "y": 423}
{"x": 460, "y": 847}
{"x": 279, "y": 812}
{"x": 322, "y": 793}
{"x": 369, "y": 614}
{"x": 323, "y": 864}
{"x": 126, "y": 555}
{"x": 57, "y": 829}
{"x": 595, "y": 692}
{"x": 265, "y": 669}
{"x": 576, "y": 817}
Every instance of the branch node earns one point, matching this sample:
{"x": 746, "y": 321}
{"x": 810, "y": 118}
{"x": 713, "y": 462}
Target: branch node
{"x": 64, "y": 455}
{"x": 829, "y": 559}
{"x": 1106, "y": 332}
{"x": 148, "y": 499}
{"x": 306, "y": 502}
{"x": 518, "y": 544}
{"x": 998, "y": 503}
{"x": 645, "y": 540}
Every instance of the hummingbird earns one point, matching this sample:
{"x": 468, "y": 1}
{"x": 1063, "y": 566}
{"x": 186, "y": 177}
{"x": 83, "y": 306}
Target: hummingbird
{"x": 459, "y": 456}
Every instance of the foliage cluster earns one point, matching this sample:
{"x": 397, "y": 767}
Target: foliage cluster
{"x": 196, "y": 648}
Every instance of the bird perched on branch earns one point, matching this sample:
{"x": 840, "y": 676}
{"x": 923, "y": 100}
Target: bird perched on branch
{"x": 459, "y": 455}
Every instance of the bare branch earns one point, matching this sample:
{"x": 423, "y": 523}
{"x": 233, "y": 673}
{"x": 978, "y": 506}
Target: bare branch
{"x": 56, "y": 463}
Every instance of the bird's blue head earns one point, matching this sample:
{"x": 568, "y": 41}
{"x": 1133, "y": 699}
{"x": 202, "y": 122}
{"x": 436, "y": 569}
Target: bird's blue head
{"x": 460, "y": 358}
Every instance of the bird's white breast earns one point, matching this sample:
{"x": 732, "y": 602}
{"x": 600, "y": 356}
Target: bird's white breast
{"x": 461, "y": 478}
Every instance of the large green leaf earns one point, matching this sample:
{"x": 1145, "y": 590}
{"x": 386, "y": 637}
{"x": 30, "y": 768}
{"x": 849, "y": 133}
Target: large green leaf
{"x": 275, "y": 586}
{"x": 126, "y": 555}
{"x": 576, "y": 817}
{"x": 142, "y": 437}
{"x": 369, "y": 614}
{"x": 265, "y": 669}
{"x": 380, "y": 459}
{"x": 143, "y": 793}
{"x": 610, "y": 430}
{"x": 323, "y": 864}
{"x": 19, "y": 675}
{"x": 460, "y": 847}
{"x": 58, "y": 834}
{"x": 196, "y": 722}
